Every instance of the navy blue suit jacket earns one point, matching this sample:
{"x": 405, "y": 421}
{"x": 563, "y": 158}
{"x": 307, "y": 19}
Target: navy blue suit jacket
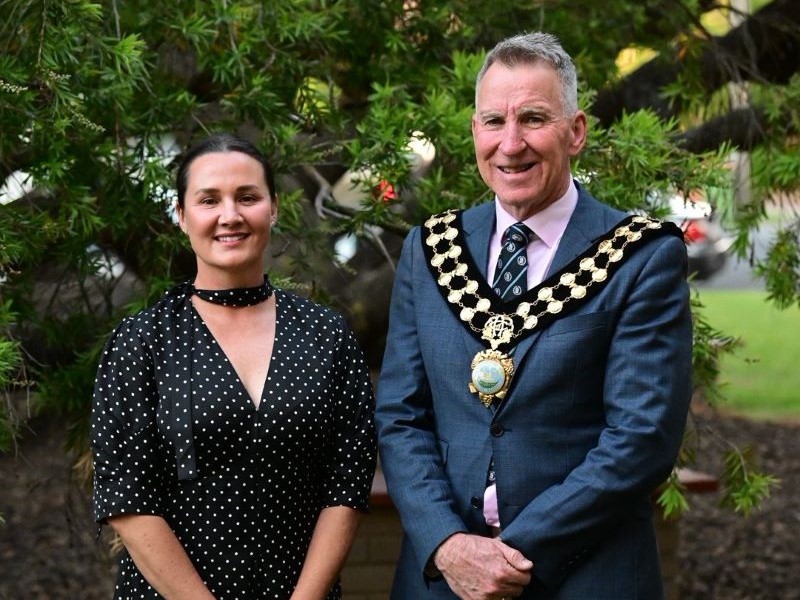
{"x": 591, "y": 425}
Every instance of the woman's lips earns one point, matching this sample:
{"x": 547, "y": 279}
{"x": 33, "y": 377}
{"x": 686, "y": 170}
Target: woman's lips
{"x": 230, "y": 238}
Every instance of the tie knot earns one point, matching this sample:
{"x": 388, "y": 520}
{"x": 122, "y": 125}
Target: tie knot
{"x": 518, "y": 233}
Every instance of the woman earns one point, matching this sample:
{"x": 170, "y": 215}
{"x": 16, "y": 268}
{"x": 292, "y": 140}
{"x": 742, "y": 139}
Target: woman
{"x": 232, "y": 422}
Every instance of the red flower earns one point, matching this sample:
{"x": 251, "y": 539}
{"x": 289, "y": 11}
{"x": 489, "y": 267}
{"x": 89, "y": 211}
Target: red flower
{"x": 384, "y": 191}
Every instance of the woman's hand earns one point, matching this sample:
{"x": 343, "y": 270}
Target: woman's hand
{"x": 333, "y": 536}
{"x": 160, "y": 557}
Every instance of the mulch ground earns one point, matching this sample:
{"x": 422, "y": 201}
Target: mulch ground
{"x": 48, "y": 549}
{"x": 726, "y": 557}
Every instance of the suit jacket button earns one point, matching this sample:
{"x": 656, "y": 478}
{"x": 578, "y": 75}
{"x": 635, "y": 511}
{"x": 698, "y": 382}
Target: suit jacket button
{"x": 496, "y": 429}
{"x": 476, "y": 502}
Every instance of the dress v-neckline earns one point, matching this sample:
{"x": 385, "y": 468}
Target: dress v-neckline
{"x": 265, "y": 388}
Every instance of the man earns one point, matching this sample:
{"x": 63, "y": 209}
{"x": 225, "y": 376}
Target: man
{"x": 535, "y": 384}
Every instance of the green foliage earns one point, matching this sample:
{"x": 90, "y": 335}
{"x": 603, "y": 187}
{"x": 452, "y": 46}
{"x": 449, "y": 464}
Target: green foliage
{"x": 637, "y": 156}
{"x": 98, "y": 98}
{"x": 744, "y": 486}
{"x": 781, "y": 268}
{"x": 709, "y": 345}
{"x": 672, "y": 498}
{"x": 775, "y": 173}
{"x": 67, "y": 391}
{"x": 10, "y": 367}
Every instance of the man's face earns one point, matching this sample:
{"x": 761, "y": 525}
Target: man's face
{"x": 523, "y": 140}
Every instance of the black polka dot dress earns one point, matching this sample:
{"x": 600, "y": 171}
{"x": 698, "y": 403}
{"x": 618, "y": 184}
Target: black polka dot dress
{"x": 175, "y": 434}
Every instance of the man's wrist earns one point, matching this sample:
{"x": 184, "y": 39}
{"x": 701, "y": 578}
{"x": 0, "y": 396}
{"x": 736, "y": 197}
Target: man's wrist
{"x": 432, "y": 567}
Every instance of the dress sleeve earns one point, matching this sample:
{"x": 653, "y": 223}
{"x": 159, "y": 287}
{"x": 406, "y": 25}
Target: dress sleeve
{"x": 128, "y": 453}
{"x": 353, "y": 447}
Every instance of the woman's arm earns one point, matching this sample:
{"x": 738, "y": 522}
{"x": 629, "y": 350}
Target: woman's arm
{"x": 333, "y": 535}
{"x": 160, "y": 557}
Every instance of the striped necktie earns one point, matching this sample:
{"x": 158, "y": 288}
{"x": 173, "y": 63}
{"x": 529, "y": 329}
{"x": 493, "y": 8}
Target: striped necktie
{"x": 511, "y": 274}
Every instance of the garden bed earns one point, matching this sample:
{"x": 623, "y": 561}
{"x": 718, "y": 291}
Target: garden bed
{"x": 48, "y": 549}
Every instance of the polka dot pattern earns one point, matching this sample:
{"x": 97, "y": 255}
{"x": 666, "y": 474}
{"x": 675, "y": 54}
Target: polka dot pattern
{"x": 263, "y": 475}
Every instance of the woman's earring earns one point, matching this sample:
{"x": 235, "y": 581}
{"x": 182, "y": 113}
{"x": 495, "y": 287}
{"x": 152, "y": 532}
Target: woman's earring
{"x": 274, "y": 220}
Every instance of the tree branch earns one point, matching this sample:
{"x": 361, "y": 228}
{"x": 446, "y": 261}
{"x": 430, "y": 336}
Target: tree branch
{"x": 744, "y": 127}
{"x": 765, "y": 48}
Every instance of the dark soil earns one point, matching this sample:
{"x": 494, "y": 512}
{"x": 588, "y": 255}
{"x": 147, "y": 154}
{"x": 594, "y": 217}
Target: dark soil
{"x": 723, "y": 556}
{"x": 48, "y": 549}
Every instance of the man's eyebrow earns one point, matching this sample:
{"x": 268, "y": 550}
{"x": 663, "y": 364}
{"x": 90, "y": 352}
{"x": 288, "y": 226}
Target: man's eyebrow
{"x": 534, "y": 108}
{"x": 489, "y": 113}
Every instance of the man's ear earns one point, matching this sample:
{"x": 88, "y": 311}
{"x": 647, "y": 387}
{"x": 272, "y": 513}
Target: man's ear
{"x": 578, "y": 130}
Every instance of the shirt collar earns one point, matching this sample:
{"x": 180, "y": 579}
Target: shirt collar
{"x": 548, "y": 224}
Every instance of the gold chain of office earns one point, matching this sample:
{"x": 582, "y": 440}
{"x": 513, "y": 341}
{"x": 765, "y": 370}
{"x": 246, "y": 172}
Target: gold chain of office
{"x": 500, "y": 328}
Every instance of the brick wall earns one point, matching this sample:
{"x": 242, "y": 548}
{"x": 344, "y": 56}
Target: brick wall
{"x": 370, "y": 567}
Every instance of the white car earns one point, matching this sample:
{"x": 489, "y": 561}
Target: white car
{"x": 706, "y": 242}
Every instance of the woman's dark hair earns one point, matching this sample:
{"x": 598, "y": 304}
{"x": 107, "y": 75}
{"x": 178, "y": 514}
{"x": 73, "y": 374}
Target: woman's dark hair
{"x": 221, "y": 142}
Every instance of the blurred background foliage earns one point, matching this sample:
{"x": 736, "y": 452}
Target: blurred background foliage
{"x": 364, "y": 107}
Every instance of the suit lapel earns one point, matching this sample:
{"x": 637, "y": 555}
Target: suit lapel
{"x": 589, "y": 221}
{"x": 478, "y": 225}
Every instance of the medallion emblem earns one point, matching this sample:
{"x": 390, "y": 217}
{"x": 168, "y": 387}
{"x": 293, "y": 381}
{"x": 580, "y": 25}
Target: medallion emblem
{"x": 491, "y": 375}
{"x": 499, "y": 329}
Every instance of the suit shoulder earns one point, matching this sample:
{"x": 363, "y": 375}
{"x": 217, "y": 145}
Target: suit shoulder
{"x": 669, "y": 243}
{"x": 610, "y": 215}
{"x": 479, "y": 214}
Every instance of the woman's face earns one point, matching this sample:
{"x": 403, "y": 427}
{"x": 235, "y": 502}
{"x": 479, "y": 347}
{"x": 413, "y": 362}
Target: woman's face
{"x": 228, "y": 214}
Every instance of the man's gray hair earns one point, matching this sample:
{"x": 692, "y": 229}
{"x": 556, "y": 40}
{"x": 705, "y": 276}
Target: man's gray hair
{"x": 530, "y": 48}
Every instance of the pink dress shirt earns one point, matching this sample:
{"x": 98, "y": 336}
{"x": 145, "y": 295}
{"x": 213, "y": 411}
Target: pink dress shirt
{"x": 548, "y": 225}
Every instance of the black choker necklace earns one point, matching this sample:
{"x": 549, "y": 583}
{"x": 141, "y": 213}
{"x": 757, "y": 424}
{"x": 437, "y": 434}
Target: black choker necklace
{"x": 235, "y": 296}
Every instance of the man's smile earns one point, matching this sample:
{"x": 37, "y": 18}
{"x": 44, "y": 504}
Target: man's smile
{"x": 510, "y": 170}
